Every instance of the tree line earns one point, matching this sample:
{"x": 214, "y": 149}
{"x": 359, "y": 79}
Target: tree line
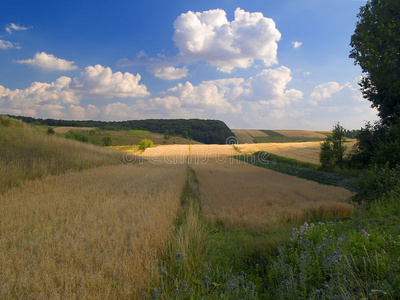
{"x": 204, "y": 131}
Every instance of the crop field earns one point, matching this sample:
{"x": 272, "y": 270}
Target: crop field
{"x": 96, "y": 234}
{"x": 301, "y": 134}
{"x": 144, "y": 229}
{"x": 256, "y": 197}
{"x": 302, "y": 151}
{"x": 243, "y": 195}
{"x": 257, "y": 133}
{"x": 243, "y": 136}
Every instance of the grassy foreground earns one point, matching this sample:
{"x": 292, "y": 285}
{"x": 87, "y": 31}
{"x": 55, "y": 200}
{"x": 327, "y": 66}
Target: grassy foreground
{"x": 27, "y": 153}
{"x": 349, "y": 258}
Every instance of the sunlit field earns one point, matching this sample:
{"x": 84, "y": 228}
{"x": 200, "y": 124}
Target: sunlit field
{"x": 303, "y": 151}
{"x": 239, "y": 194}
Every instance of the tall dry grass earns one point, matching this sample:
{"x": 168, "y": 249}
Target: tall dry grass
{"x": 247, "y": 196}
{"x": 27, "y": 153}
{"x": 95, "y": 234}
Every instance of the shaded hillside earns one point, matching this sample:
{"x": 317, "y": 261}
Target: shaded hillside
{"x": 204, "y": 131}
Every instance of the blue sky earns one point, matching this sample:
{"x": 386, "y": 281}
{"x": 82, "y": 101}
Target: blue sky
{"x": 253, "y": 64}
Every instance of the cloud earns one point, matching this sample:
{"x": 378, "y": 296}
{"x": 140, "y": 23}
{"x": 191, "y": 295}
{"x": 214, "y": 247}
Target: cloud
{"x": 14, "y": 27}
{"x": 49, "y": 62}
{"x": 297, "y": 44}
{"x": 205, "y": 96}
{"x": 4, "y": 45}
{"x": 269, "y": 86}
{"x": 61, "y": 98}
{"x": 39, "y": 99}
{"x": 326, "y": 90}
{"x": 100, "y": 82}
{"x": 170, "y": 72}
{"x": 227, "y": 45}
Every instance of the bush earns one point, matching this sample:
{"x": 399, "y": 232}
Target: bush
{"x": 50, "y": 131}
{"x": 107, "y": 141}
{"x": 378, "y": 182}
{"x": 77, "y": 135}
{"x": 146, "y": 143}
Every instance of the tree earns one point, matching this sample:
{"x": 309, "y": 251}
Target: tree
{"x": 376, "y": 49}
{"x": 107, "y": 141}
{"x": 145, "y": 143}
{"x": 332, "y": 150}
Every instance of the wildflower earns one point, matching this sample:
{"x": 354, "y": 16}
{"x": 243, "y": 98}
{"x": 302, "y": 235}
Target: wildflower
{"x": 178, "y": 256}
{"x": 326, "y": 286}
{"x": 318, "y": 292}
{"x": 344, "y": 276}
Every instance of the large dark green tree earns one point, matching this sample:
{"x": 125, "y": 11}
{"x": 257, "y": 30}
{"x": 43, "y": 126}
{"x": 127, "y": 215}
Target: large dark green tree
{"x": 376, "y": 49}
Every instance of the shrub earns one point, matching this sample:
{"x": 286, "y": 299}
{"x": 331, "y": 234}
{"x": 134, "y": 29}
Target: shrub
{"x": 50, "y": 131}
{"x": 107, "y": 141}
{"x": 378, "y": 182}
{"x": 146, "y": 143}
{"x": 77, "y": 135}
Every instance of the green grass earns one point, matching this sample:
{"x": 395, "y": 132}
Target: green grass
{"x": 139, "y": 132}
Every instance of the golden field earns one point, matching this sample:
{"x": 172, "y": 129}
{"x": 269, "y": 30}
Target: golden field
{"x": 103, "y": 232}
{"x": 239, "y": 194}
{"x": 95, "y": 234}
{"x": 303, "y": 151}
{"x": 301, "y": 134}
{"x": 243, "y": 136}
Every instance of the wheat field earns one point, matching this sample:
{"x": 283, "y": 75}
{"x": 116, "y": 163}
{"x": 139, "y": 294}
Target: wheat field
{"x": 303, "y": 151}
{"x": 95, "y": 234}
{"x": 243, "y": 195}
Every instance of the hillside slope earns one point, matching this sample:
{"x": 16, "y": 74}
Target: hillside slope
{"x": 27, "y": 153}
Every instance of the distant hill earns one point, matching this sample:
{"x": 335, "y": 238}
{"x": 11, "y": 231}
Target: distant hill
{"x": 204, "y": 131}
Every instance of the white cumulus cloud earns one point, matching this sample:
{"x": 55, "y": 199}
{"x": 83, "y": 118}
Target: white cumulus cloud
{"x": 269, "y": 86}
{"x": 39, "y": 99}
{"x": 49, "y": 62}
{"x": 100, "y": 82}
{"x": 170, "y": 72}
{"x": 326, "y": 90}
{"x": 62, "y": 98}
{"x": 227, "y": 45}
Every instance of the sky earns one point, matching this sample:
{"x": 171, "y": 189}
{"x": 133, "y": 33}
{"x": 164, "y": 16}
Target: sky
{"x": 254, "y": 64}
